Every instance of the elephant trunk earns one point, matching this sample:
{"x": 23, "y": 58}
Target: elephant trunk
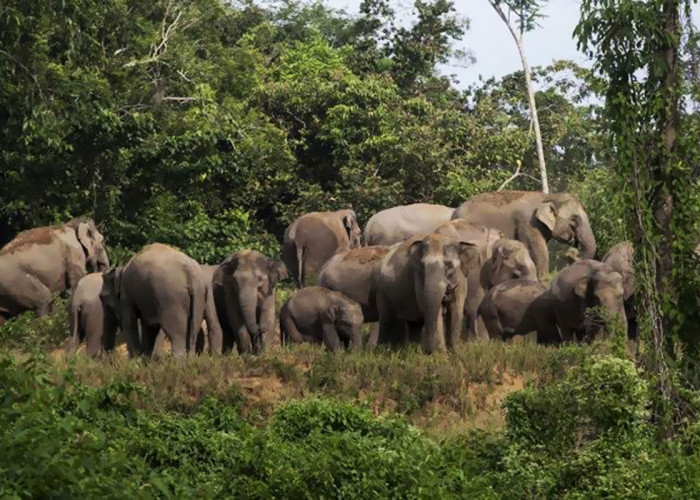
{"x": 585, "y": 237}
{"x": 433, "y": 337}
{"x": 101, "y": 261}
{"x": 248, "y": 300}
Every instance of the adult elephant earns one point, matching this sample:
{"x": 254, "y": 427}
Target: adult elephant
{"x": 244, "y": 286}
{"x": 533, "y": 218}
{"x": 621, "y": 258}
{"x": 564, "y": 310}
{"x": 421, "y": 284}
{"x": 350, "y": 273}
{"x": 45, "y": 261}
{"x": 160, "y": 288}
{"x": 314, "y": 238}
{"x": 397, "y": 224}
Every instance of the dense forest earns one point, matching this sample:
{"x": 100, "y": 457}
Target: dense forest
{"x": 200, "y": 123}
{"x": 210, "y": 125}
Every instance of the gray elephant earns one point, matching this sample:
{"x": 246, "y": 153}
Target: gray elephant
{"x": 314, "y": 238}
{"x": 160, "y": 288}
{"x": 397, "y": 224}
{"x": 533, "y": 218}
{"x": 45, "y": 261}
{"x": 350, "y": 273}
{"x": 507, "y": 303}
{"x": 621, "y": 258}
{"x": 89, "y": 319}
{"x": 564, "y": 310}
{"x": 244, "y": 286}
{"x": 316, "y": 314}
{"x": 421, "y": 284}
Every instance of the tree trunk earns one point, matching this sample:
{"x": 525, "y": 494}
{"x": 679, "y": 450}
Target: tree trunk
{"x": 518, "y": 37}
{"x": 533, "y": 114}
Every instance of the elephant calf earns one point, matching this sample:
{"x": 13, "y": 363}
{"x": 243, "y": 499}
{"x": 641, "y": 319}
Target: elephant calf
{"x": 89, "y": 319}
{"x": 316, "y": 314}
{"x": 506, "y": 304}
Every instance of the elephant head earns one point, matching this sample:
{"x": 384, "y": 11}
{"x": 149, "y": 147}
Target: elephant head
{"x": 601, "y": 287}
{"x": 349, "y": 221}
{"x": 347, "y": 319}
{"x": 92, "y": 242}
{"x": 511, "y": 260}
{"x": 441, "y": 265}
{"x": 249, "y": 280}
{"x": 564, "y": 217}
{"x": 110, "y": 295}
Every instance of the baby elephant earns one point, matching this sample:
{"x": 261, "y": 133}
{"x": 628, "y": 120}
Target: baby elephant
{"x": 316, "y": 314}
{"x": 89, "y": 319}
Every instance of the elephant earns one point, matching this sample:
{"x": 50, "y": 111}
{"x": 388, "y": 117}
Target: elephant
{"x": 421, "y": 284}
{"x": 211, "y": 326}
{"x": 316, "y": 314}
{"x": 160, "y": 288}
{"x": 506, "y": 304}
{"x": 42, "y": 262}
{"x": 350, "y": 273}
{"x": 397, "y": 224}
{"x": 314, "y": 238}
{"x": 244, "y": 295}
{"x": 533, "y": 218}
{"x": 621, "y": 258}
{"x": 89, "y": 319}
{"x": 564, "y": 309}
{"x": 511, "y": 260}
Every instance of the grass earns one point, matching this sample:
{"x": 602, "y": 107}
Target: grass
{"x": 443, "y": 394}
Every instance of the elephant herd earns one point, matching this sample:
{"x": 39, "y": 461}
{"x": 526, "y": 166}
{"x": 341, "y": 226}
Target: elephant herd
{"x": 425, "y": 273}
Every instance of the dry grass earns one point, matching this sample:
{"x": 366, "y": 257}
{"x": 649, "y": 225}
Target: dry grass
{"x": 444, "y": 394}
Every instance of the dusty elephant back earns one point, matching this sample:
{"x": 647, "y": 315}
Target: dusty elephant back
{"x": 396, "y": 224}
{"x": 350, "y": 272}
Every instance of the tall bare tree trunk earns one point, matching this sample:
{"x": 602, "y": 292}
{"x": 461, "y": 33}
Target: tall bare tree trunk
{"x": 518, "y": 37}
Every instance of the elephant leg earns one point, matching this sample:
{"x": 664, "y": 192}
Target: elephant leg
{"x": 391, "y": 328}
{"x": 243, "y": 341}
{"x": 130, "y": 327}
{"x": 149, "y": 333}
{"x": 330, "y": 338}
{"x": 175, "y": 325}
{"x": 373, "y": 336}
{"x": 289, "y": 331}
{"x": 3, "y": 319}
{"x": 109, "y": 332}
{"x": 415, "y": 329}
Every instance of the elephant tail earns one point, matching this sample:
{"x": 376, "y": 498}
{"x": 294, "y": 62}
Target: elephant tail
{"x": 195, "y": 316}
{"x": 300, "y": 265}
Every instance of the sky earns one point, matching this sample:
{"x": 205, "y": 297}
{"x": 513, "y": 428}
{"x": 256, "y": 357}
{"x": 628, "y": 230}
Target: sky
{"x": 489, "y": 40}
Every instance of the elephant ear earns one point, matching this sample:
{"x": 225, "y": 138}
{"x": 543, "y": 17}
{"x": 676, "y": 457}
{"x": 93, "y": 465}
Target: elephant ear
{"x": 415, "y": 253}
{"x": 546, "y": 214}
{"x": 86, "y": 238}
{"x": 330, "y": 314}
{"x": 581, "y": 287}
{"x": 469, "y": 256}
{"x": 111, "y": 288}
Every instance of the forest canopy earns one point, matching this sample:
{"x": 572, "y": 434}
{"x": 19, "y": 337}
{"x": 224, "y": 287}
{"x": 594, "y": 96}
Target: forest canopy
{"x": 210, "y": 125}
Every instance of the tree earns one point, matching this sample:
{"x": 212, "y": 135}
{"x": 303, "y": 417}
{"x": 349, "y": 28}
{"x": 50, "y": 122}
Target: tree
{"x": 525, "y": 14}
{"x": 636, "y": 46}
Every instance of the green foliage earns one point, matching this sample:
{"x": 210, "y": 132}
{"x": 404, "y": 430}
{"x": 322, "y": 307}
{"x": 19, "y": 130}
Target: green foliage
{"x": 586, "y": 435}
{"x": 26, "y": 332}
